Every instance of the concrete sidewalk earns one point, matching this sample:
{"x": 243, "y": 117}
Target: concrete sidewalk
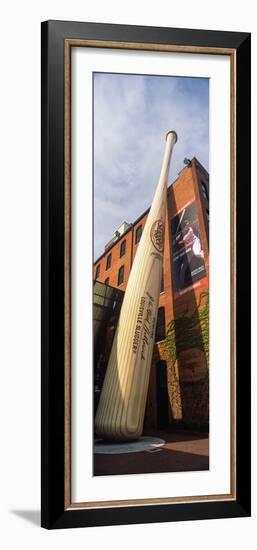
{"x": 183, "y": 451}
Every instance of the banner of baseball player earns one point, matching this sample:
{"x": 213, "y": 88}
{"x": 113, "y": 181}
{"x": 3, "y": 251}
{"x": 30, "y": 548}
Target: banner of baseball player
{"x": 187, "y": 253}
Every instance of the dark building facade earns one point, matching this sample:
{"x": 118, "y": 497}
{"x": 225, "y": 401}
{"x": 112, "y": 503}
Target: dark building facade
{"x": 179, "y": 381}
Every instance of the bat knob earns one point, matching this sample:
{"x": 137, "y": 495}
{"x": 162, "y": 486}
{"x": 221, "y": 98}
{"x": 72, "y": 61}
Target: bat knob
{"x": 172, "y": 132}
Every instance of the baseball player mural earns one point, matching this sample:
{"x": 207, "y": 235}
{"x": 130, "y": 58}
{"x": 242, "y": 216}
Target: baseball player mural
{"x": 187, "y": 254}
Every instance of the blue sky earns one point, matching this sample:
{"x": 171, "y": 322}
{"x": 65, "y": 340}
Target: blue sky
{"x": 132, "y": 115}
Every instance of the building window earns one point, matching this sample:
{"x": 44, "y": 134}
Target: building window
{"x": 204, "y": 191}
{"x": 121, "y": 275}
{"x": 97, "y": 271}
{"x": 123, "y": 249}
{"x": 106, "y": 282}
{"x": 162, "y": 283}
{"x": 109, "y": 261}
{"x": 138, "y": 234}
{"x": 160, "y": 333}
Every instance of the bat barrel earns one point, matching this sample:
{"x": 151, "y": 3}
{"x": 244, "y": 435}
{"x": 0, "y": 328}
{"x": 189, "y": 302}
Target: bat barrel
{"x": 121, "y": 409}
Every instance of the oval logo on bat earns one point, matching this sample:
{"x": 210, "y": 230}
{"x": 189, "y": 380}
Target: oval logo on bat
{"x": 157, "y": 235}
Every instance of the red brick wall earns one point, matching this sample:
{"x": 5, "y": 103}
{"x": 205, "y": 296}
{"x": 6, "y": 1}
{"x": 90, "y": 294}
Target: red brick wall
{"x": 190, "y": 399}
{"x": 116, "y": 263}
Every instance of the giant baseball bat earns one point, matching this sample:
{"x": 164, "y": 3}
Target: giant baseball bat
{"x": 121, "y": 409}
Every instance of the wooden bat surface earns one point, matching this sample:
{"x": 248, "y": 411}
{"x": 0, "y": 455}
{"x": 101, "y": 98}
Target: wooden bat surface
{"x": 121, "y": 409}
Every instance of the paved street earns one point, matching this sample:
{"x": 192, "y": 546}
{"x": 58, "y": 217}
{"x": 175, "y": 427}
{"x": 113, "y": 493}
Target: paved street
{"x": 183, "y": 451}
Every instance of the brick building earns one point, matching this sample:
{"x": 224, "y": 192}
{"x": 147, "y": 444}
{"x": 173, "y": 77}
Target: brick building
{"x": 179, "y": 384}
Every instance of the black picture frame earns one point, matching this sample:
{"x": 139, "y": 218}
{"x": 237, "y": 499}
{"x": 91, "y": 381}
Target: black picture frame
{"x": 54, "y": 512}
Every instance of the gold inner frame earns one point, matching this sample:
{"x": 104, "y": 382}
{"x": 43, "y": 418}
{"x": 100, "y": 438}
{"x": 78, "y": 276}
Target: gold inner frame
{"x": 68, "y": 44}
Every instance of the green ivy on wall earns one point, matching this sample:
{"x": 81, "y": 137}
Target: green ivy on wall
{"x": 188, "y": 331}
